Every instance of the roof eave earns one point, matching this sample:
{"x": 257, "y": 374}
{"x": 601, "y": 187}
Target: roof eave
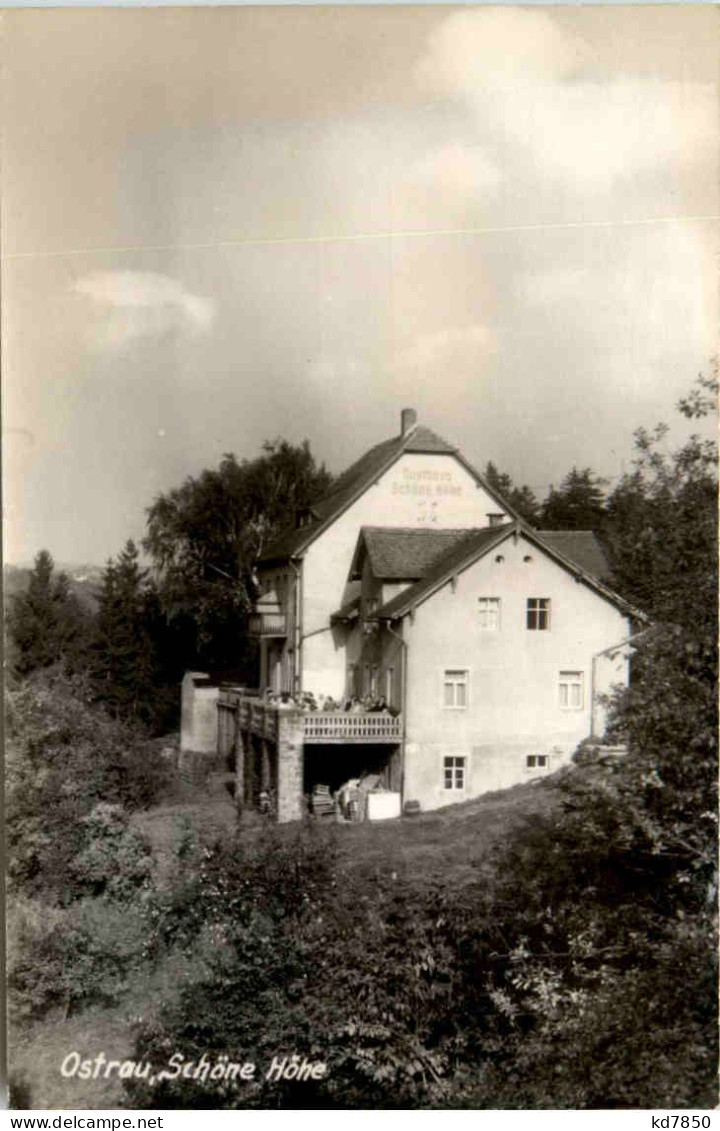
{"x": 588, "y": 578}
{"x": 486, "y": 487}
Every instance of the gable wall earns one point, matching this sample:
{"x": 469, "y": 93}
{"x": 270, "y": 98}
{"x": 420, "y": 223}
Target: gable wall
{"x": 513, "y": 707}
{"x": 415, "y": 488}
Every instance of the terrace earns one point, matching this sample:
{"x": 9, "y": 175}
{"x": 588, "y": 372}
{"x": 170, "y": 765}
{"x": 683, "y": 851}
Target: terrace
{"x": 249, "y": 713}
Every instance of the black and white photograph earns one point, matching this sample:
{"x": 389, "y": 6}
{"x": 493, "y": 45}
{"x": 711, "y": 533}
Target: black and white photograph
{"x": 360, "y": 382}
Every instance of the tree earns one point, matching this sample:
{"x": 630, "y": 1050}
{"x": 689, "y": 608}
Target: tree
{"x": 129, "y": 671}
{"x": 661, "y": 526}
{"x": 577, "y": 504}
{"x": 521, "y": 499}
{"x": 618, "y": 930}
{"x": 204, "y": 536}
{"x": 46, "y": 623}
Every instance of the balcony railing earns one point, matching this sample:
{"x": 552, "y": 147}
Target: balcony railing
{"x": 268, "y": 624}
{"x": 345, "y": 726}
{"x": 238, "y": 711}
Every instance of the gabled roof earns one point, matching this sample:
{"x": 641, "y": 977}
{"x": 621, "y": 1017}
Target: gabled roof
{"x": 355, "y": 481}
{"x": 581, "y": 547}
{"x": 462, "y": 554}
{"x": 402, "y": 553}
{"x": 476, "y": 545}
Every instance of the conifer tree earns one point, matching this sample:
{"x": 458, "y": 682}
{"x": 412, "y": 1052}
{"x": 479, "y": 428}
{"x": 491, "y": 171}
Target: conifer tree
{"x": 521, "y": 499}
{"x": 577, "y": 504}
{"x": 125, "y": 667}
{"x": 45, "y": 623}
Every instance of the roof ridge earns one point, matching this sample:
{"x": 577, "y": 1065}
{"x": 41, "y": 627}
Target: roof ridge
{"x": 365, "y": 470}
{"x": 420, "y": 529}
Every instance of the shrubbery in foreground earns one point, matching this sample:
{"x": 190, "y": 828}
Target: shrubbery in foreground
{"x": 78, "y": 874}
{"x": 564, "y": 980}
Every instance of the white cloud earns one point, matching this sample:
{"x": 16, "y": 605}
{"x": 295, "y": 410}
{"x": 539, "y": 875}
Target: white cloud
{"x": 527, "y": 81}
{"x": 131, "y": 305}
{"x": 476, "y": 49}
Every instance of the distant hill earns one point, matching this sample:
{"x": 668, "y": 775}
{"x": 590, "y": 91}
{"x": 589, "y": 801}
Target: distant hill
{"x": 85, "y": 582}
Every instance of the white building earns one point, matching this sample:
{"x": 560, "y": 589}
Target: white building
{"x": 413, "y": 580}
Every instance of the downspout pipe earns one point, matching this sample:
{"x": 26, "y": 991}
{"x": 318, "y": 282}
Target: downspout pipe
{"x": 403, "y": 685}
{"x": 593, "y": 671}
{"x": 297, "y": 627}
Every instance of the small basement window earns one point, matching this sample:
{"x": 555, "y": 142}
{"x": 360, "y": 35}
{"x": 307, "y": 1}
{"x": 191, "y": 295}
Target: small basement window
{"x": 454, "y": 772}
{"x": 537, "y": 761}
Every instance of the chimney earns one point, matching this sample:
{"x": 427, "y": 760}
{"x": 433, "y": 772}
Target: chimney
{"x": 408, "y": 420}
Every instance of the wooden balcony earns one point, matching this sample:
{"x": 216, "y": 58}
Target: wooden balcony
{"x": 237, "y": 711}
{"x": 268, "y": 624}
{"x": 343, "y": 727}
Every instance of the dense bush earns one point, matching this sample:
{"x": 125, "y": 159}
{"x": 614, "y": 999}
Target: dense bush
{"x": 64, "y": 756}
{"x": 69, "y": 957}
{"x": 563, "y": 978}
{"x": 302, "y": 955}
{"x": 78, "y": 873}
{"x": 114, "y": 860}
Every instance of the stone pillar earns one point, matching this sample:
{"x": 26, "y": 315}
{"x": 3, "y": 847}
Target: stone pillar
{"x": 198, "y": 727}
{"x": 290, "y": 805}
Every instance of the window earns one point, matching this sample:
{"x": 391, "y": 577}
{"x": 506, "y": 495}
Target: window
{"x": 366, "y": 679}
{"x": 374, "y": 679}
{"x": 495, "y": 519}
{"x": 352, "y": 674}
{"x": 538, "y": 613}
{"x": 454, "y": 772}
{"x": 489, "y": 609}
{"x": 455, "y": 688}
{"x": 390, "y": 686}
{"x": 571, "y": 689}
{"x": 537, "y": 761}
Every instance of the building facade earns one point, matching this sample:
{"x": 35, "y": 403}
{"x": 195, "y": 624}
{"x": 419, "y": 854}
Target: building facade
{"x": 413, "y": 584}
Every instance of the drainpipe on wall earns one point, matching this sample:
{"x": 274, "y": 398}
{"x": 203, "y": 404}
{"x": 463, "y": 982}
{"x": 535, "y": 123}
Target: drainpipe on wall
{"x": 297, "y": 633}
{"x": 593, "y": 670}
{"x": 403, "y": 685}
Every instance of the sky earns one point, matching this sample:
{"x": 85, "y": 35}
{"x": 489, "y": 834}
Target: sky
{"x": 225, "y": 225}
